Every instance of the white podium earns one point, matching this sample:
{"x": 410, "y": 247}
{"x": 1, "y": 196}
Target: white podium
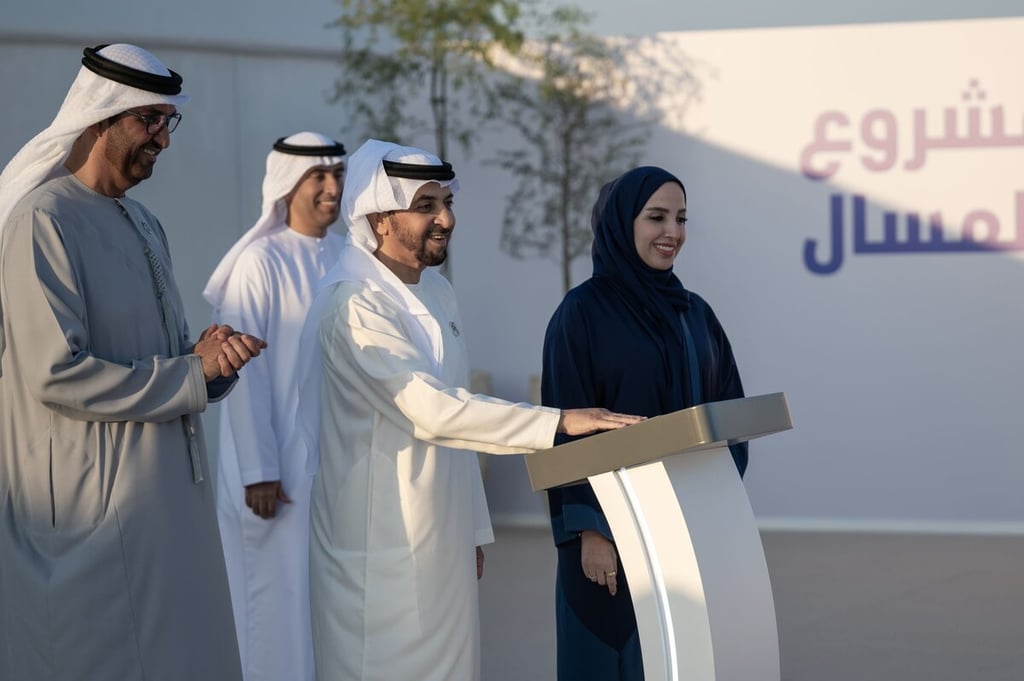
{"x": 686, "y": 535}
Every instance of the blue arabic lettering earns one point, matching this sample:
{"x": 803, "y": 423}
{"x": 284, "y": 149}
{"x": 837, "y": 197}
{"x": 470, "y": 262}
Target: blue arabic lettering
{"x": 979, "y": 233}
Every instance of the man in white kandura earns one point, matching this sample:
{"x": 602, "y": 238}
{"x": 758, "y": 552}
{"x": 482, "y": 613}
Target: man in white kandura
{"x": 398, "y": 511}
{"x": 267, "y": 281}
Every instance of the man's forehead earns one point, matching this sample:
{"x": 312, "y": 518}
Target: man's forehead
{"x": 333, "y": 168}
{"x": 432, "y": 190}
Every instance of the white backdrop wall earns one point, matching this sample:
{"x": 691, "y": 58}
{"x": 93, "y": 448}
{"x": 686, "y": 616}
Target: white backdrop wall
{"x": 902, "y": 369}
{"x": 902, "y": 365}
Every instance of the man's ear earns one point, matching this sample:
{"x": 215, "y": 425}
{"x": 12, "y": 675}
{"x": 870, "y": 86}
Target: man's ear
{"x": 97, "y": 129}
{"x": 380, "y": 223}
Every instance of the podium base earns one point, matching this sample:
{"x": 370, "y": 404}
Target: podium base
{"x": 689, "y": 544}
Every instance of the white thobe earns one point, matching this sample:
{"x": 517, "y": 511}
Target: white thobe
{"x": 398, "y": 504}
{"x": 268, "y": 294}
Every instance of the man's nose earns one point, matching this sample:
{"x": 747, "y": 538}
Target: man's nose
{"x": 334, "y": 185}
{"x": 162, "y": 137}
{"x": 446, "y": 218}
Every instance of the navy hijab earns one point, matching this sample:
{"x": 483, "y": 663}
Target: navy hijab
{"x": 614, "y": 254}
{"x": 657, "y": 294}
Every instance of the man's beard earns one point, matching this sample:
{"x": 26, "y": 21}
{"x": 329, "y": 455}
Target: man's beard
{"x": 133, "y": 163}
{"x": 421, "y": 246}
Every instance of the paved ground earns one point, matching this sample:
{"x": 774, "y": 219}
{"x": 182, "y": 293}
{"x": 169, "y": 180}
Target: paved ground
{"x": 850, "y": 607}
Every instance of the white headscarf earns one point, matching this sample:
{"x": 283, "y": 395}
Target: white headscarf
{"x": 92, "y": 98}
{"x": 284, "y": 171}
{"x": 369, "y": 189}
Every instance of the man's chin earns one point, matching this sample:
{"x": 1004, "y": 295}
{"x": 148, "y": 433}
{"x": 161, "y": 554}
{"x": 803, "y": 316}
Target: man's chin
{"x": 140, "y": 172}
{"x": 434, "y": 259}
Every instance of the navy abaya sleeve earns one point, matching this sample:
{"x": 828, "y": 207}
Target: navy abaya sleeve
{"x": 720, "y": 377}
{"x": 568, "y": 383}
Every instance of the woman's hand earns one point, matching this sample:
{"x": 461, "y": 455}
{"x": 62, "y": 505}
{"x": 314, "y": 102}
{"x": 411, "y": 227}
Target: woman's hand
{"x": 600, "y": 560}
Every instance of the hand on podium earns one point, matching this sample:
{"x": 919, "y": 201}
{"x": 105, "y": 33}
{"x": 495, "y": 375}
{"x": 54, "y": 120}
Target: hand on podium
{"x": 591, "y": 420}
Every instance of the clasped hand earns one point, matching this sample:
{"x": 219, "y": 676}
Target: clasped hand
{"x": 224, "y": 350}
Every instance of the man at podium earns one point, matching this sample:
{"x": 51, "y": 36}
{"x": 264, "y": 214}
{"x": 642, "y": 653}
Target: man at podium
{"x": 631, "y": 339}
{"x": 398, "y": 513}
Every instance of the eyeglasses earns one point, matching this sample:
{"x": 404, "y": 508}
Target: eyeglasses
{"x": 154, "y": 122}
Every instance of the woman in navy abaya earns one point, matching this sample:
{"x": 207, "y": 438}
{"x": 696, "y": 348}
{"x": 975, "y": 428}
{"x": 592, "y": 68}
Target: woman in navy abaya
{"x": 633, "y": 340}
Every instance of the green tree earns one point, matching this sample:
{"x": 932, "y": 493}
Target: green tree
{"x": 567, "y": 105}
{"x": 402, "y": 57}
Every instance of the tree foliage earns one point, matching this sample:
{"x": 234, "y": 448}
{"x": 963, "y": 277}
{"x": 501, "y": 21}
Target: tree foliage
{"x": 401, "y": 57}
{"x": 416, "y": 67}
{"x": 564, "y": 107}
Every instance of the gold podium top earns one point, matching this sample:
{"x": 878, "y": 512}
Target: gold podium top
{"x": 704, "y": 426}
